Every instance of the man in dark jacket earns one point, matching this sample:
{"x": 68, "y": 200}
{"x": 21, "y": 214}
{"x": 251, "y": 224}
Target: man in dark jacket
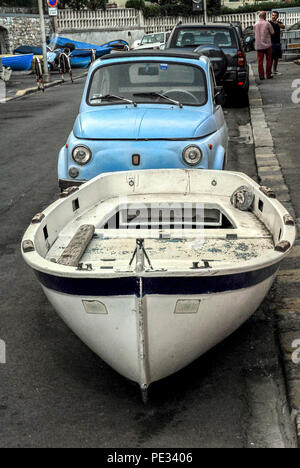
{"x": 276, "y": 45}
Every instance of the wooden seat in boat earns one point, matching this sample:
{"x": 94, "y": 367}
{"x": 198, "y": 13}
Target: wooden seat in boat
{"x": 77, "y": 245}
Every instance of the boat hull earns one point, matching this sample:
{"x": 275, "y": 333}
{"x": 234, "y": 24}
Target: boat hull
{"x": 80, "y": 62}
{"x": 60, "y": 42}
{"x": 18, "y": 62}
{"x": 150, "y": 337}
{"x": 152, "y": 296}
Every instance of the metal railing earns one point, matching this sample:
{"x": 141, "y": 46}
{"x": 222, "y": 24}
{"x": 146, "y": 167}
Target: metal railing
{"x": 116, "y": 18}
{"x": 290, "y": 43}
{"x": 126, "y": 18}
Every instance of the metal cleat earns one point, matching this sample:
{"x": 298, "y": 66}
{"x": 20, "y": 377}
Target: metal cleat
{"x": 267, "y": 191}
{"x": 28, "y": 246}
{"x": 282, "y": 246}
{"x": 288, "y": 220}
{"x": 37, "y": 218}
{"x": 68, "y": 191}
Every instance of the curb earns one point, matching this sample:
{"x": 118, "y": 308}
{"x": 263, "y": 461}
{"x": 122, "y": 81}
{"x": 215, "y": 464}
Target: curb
{"x": 268, "y": 166}
{"x": 24, "y": 92}
{"x": 270, "y": 174}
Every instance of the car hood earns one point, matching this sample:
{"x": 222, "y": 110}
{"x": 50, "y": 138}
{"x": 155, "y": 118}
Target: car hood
{"x": 144, "y": 123}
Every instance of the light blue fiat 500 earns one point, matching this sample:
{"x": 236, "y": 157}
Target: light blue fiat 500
{"x": 146, "y": 110}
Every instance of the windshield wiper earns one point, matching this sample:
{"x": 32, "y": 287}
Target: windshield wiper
{"x": 108, "y": 97}
{"x": 152, "y": 94}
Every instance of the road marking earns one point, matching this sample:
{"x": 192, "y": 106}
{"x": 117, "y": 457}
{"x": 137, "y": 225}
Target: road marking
{"x": 21, "y": 92}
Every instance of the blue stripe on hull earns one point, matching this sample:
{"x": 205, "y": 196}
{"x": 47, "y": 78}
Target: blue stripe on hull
{"x": 159, "y": 285}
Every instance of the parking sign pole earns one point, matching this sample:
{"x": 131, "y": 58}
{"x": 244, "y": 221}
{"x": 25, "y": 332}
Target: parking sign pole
{"x": 44, "y": 46}
{"x": 201, "y": 7}
{"x": 204, "y": 12}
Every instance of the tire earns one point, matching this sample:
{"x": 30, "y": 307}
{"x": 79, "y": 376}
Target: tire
{"x": 244, "y": 94}
{"x": 238, "y": 97}
{"x": 217, "y": 58}
{"x": 243, "y": 97}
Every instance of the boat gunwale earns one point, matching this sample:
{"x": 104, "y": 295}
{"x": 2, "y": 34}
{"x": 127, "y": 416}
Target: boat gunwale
{"x": 38, "y": 262}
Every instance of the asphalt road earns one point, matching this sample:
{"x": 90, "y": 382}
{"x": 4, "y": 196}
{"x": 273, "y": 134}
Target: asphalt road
{"x": 54, "y": 392}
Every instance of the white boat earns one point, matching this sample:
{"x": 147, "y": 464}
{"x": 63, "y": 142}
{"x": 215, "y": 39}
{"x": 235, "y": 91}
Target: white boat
{"x": 144, "y": 293}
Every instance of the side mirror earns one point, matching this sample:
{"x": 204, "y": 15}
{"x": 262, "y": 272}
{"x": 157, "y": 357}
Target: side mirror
{"x": 220, "y": 97}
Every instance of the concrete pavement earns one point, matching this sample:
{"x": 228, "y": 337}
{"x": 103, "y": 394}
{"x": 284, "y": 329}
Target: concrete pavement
{"x": 275, "y": 117}
{"x": 23, "y": 83}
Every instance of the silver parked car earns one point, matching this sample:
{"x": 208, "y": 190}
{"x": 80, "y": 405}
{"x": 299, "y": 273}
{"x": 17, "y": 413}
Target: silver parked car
{"x": 153, "y": 40}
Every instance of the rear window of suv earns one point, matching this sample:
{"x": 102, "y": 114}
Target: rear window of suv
{"x": 221, "y": 37}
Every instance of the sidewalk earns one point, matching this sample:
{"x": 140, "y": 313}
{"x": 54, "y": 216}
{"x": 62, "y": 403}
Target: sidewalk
{"x": 21, "y": 81}
{"x": 275, "y": 115}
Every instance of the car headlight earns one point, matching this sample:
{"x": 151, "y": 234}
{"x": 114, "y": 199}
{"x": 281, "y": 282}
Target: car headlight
{"x": 192, "y": 155}
{"x": 81, "y": 155}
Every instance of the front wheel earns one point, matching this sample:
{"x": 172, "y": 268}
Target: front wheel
{"x": 243, "y": 97}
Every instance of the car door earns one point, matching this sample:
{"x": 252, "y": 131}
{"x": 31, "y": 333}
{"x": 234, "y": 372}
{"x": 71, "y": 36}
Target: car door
{"x": 222, "y": 138}
{"x": 217, "y": 109}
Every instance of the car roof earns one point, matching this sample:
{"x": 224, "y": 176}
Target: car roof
{"x": 207, "y": 25}
{"x": 177, "y": 53}
{"x": 156, "y": 32}
{"x": 293, "y": 26}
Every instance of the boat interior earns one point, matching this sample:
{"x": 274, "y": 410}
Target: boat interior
{"x": 174, "y": 232}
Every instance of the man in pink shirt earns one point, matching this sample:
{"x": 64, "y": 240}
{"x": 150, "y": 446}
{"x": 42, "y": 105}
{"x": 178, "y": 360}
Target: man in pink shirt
{"x": 263, "y": 32}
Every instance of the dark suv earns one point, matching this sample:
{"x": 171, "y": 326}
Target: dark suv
{"x": 220, "y": 40}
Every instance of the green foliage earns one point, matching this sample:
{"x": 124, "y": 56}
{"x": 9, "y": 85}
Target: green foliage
{"x": 151, "y": 10}
{"x": 75, "y": 4}
{"x": 80, "y": 4}
{"x": 137, "y": 4}
{"x": 260, "y": 6}
{"x": 181, "y": 8}
{"x": 213, "y": 7}
{"x": 19, "y": 3}
{"x": 96, "y": 4}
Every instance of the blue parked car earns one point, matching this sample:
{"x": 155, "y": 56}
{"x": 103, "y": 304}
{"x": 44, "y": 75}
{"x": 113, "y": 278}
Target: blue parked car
{"x": 146, "y": 110}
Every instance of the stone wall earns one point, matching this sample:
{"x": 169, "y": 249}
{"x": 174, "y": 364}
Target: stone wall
{"x": 27, "y": 11}
{"x": 22, "y": 29}
{"x": 4, "y": 40}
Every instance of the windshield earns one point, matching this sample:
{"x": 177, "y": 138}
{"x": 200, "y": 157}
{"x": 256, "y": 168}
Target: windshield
{"x": 148, "y": 82}
{"x": 152, "y": 38}
{"x": 221, "y": 37}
